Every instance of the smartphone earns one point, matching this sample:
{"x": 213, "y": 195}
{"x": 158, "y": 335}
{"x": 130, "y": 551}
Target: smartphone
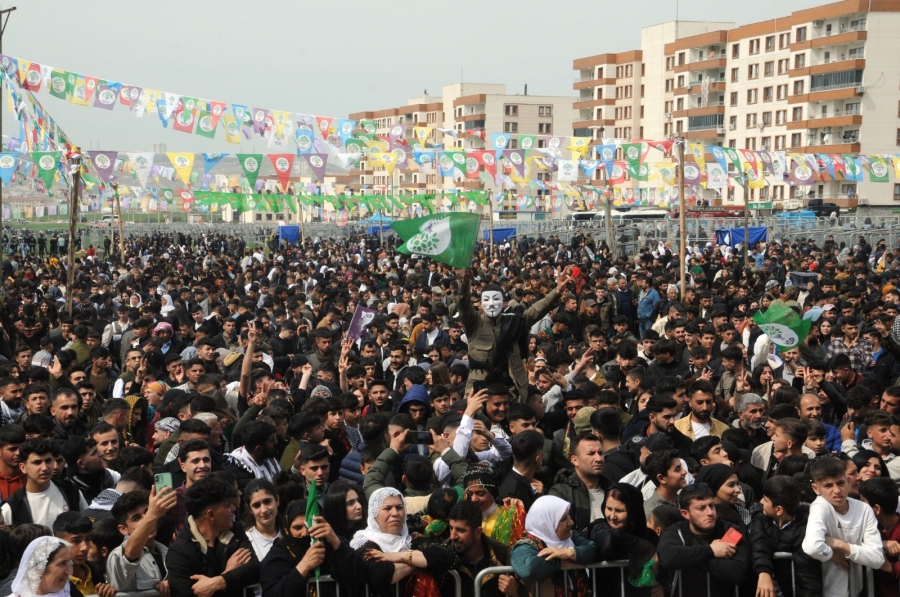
{"x": 477, "y": 386}
{"x": 161, "y": 481}
{"x": 419, "y": 437}
{"x": 732, "y": 536}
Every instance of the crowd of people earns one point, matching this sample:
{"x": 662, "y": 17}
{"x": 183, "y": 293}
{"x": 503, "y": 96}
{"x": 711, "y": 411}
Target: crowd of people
{"x": 200, "y": 420}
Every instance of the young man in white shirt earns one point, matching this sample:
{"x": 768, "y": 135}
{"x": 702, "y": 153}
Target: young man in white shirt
{"x": 41, "y": 499}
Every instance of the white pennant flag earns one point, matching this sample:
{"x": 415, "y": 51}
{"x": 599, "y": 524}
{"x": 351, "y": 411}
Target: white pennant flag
{"x": 172, "y": 100}
{"x": 142, "y": 163}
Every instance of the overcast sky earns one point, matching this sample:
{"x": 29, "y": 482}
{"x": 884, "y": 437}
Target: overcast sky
{"x": 324, "y": 57}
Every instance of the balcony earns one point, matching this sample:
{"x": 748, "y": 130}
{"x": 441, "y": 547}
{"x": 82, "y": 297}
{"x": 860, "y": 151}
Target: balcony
{"x": 713, "y": 108}
{"x": 591, "y": 83}
{"x": 705, "y": 133}
{"x": 830, "y": 147}
{"x": 841, "y": 91}
{"x": 707, "y": 63}
{"x": 592, "y": 103}
{"x": 696, "y": 87}
{"x": 838, "y": 119}
{"x": 472, "y": 117}
{"x": 839, "y": 38}
{"x": 825, "y": 33}
{"x": 586, "y": 124}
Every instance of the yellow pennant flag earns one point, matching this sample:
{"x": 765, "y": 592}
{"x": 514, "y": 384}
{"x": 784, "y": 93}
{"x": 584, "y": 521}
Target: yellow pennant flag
{"x": 375, "y": 159}
{"x": 389, "y": 161}
{"x": 151, "y": 95}
{"x": 183, "y": 163}
{"x": 896, "y": 160}
{"x": 579, "y": 147}
{"x": 422, "y": 133}
{"x": 699, "y": 152}
{"x": 9, "y": 101}
{"x": 754, "y": 177}
{"x": 379, "y": 146}
{"x": 79, "y": 92}
{"x": 232, "y": 131}
{"x": 280, "y": 119}
{"x": 24, "y": 65}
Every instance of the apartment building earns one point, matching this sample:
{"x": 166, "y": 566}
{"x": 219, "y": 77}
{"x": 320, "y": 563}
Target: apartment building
{"x": 820, "y": 80}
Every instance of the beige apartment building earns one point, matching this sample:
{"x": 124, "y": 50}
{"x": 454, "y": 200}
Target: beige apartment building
{"x": 820, "y": 80}
{"x": 463, "y": 108}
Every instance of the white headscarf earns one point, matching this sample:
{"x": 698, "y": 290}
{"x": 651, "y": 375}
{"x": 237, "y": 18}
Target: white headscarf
{"x": 543, "y": 518}
{"x": 32, "y": 566}
{"x": 387, "y": 542}
{"x": 167, "y": 304}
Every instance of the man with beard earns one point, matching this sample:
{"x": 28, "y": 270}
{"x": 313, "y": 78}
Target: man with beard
{"x": 477, "y": 552}
{"x": 11, "y": 407}
{"x": 64, "y": 409}
{"x": 494, "y": 353}
{"x": 85, "y": 468}
{"x": 256, "y": 458}
{"x": 195, "y": 462}
{"x": 700, "y": 422}
{"x": 323, "y": 352}
{"x": 810, "y": 409}
{"x": 585, "y": 488}
{"x": 659, "y": 417}
{"x": 751, "y": 413}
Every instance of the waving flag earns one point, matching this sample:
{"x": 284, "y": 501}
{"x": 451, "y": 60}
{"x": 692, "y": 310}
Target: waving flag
{"x": 448, "y": 238}
{"x": 783, "y": 325}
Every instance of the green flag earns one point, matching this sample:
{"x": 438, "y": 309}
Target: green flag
{"x": 448, "y": 238}
{"x": 879, "y": 169}
{"x": 58, "y": 85}
{"x": 205, "y": 126}
{"x": 783, "y": 325}
{"x": 46, "y": 162}
{"x": 251, "y": 163}
{"x": 312, "y": 511}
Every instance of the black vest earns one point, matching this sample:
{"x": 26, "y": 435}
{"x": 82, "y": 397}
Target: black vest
{"x": 21, "y": 511}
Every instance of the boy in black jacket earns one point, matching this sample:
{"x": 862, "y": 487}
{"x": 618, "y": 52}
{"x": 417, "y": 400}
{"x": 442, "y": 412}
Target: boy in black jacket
{"x": 694, "y": 548}
{"x": 779, "y": 525}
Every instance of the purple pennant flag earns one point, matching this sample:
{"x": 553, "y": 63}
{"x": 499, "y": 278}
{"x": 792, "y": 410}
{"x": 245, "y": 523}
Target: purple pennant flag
{"x": 691, "y": 173}
{"x": 104, "y": 163}
{"x": 134, "y": 96}
{"x": 516, "y": 157}
{"x": 362, "y": 319}
{"x": 397, "y": 131}
{"x": 105, "y": 97}
{"x": 317, "y": 162}
{"x": 259, "y": 116}
{"x": 766, "y": 159}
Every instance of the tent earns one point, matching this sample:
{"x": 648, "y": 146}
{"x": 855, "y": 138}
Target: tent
{"x": 375, "y": 224}
{"x": 734, "y": 237}
{"x": 289, "y": 233}
{"x": 500, "y": 234}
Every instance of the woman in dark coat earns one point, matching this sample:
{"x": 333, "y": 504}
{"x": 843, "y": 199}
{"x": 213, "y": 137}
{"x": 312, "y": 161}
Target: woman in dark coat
{"x": 293, "y": 558}
{"x": 622, "y": 534}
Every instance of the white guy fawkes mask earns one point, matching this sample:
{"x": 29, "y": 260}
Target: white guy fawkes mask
{"x": 492, "y": 303}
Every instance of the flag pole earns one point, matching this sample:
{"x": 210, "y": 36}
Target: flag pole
{"x": 74, "y": 198}
{"x": 491, "y": 223}
{"x": 679, "y": 142}
{"x": 300, "y": 209}
{"x": 115, "y": 187}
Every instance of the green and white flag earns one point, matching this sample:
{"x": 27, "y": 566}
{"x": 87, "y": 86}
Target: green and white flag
{"x": 250, "y": 163}
{"x": 783, "y": 325}
{"x": 448, "y": 238}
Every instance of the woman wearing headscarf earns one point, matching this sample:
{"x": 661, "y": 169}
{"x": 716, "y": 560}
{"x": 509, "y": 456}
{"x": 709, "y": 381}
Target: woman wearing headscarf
{"x": 394, "y": 556}
{"x": 504, "y": 520}
{"x": 727, "y": 494}
{"x": 550, "y": 549}
{"x": 622, "y": 534}
{"x": 44, "y": 570}
{"x": 293, "y": 557}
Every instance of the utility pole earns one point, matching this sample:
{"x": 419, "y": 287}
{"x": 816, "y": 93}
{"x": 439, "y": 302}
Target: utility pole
{"x": 115, "y": 187}
{"x": 681, "y": 210}
{"x": 4, "y": 19}
{"x": 746, "y": 221}
{"x": 74, "y": 199}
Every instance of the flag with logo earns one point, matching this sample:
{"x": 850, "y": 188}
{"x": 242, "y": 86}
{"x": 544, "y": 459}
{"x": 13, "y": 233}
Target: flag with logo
{"x": 104, "y": 162}
{"x": 879, "y": 171}
{"x": 283, "y": 164}
{"x": 8, "y": 162}
{"x": 783, "y": 325}
{"x": 46, "y": 162}
{"x": 183, "y": 163}
{"x": 317, "y": 162}
{"x": 250, "y": 163}
{"x": 448, "y": 238}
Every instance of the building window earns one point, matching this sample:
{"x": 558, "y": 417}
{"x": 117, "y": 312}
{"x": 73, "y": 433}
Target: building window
{"x": 540, "y": 145}
{"x": 544, "y": 127}
{"x": 753, "y": 71}
{"x": 668, "y": 107}
{"x": 734, "y": 98}
{"x": 782, "y": 92}
{"x": 896, "y": 192}
{"x": 783, "y": 66}
{"x": 669, "y": 85}
{"x": 800, "y": 61}
{"x": 770, "y": 43}
{"x": 642, "y": 111}
{"x": 679, "y": 103}
{"x": 513, "y": 144}
{"x": 734, "y": 75}
{"x": 735, "y": 50}
{"x": 670, "y": 63}
{"x": 765, "y": 143}
{"x": 752, "y": 96}
{"x": 628, "y": 70}
{"x": 628, "y": 90}
{"x": 599, "y": 93}
{"x": 751, "y": 120}
{"x": 754, "y": 46}
{"x": 767, "y": 118}
{"x": 779, "y": 142}
{"x": 770, "y": 69}
{"x": 732, "y": 123}
{"x": 619, "y": 72}
{"x": 512, "y": 110}
{"x": 800, "y": 35}
{"x": 784, "y": 40}
{"x": 898, "y": 136}
{"x": 767, "y": 94}
{"x": 750, "y": 143}
{"x": 600, "y": 72}
{"x": 545, "y": 110}
{"x": 798, "y": 87}
{"x": 510, "y": 127}
{"x": 643, "y": 69}
{"x": 642, "y": 91}
{"x": 681, "y": 59}
{"x": 796, "y": 140}
{"x": 797, "y": 114}
{"x": 780, "y": 117}
{"x": 679, "y": 127}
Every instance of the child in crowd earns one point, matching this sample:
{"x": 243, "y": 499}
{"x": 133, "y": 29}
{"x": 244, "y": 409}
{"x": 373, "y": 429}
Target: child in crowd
{"x": 881, "y": 494}
{"x": 779, "y": 525}
{"x": 816, "y": 437}
{"x": 841, "y": 532}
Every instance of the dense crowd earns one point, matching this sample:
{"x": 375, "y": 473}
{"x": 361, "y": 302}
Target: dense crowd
{"x": 203, "y": 421}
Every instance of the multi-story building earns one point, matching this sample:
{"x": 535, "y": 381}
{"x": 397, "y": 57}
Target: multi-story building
{"x": 820, "y": 80}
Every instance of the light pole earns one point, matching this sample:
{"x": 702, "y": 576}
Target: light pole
{"x": 74, "y": 198}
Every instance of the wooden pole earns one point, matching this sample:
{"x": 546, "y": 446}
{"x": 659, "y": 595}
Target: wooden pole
{"x": 682, "y": 207}
{"x": 491, "y": 223}
{"x": 2, "y": 29}
{"x": 74, "y": 199}
{"x": 746, "y": 222}
{"x": 300, "y": 209}
{"x": 608, "y": 215}
{"x": 115, "y": 187}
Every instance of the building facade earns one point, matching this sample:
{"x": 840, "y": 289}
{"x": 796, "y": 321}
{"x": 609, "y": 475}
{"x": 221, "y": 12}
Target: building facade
{"x": 820, "y": 80}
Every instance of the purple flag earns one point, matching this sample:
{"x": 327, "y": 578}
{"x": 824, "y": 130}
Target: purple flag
{"x": 105, "y": 97}
{"x": 104, "y": 163}
{"x": 260, "y": 118}
{"x": 516, "y": 157}
{"x": 134, "y": 96}
{"x": 397, "y": 131}
{"x": 362, "y": 319}
{"x": 317, "y": 162}
{"x": 766, "y": 159}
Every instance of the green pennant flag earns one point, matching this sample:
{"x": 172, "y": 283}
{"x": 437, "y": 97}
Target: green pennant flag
{"x": 783, "y": 325}
{"x": 879, "y": 169}
{"x": 46, "y": 162}
{"x": 633, "y": 157}
{"x": 735, "y": 160}
{"x": 205, "y": 126}
{"x": 251, "y": 163}
{"x": 201, "y": 198}
{"x": 58, "y": 85}
{"x": 448, "y": 238}
{"x": 527, "y": 142}
{"x": 312, "y": 511}
{"x": 291, "y": 201}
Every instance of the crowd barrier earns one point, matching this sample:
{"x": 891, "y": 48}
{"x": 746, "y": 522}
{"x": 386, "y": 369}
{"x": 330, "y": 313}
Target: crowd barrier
{"x": 623, "y": 564}
{"x": 324, "y": 579}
